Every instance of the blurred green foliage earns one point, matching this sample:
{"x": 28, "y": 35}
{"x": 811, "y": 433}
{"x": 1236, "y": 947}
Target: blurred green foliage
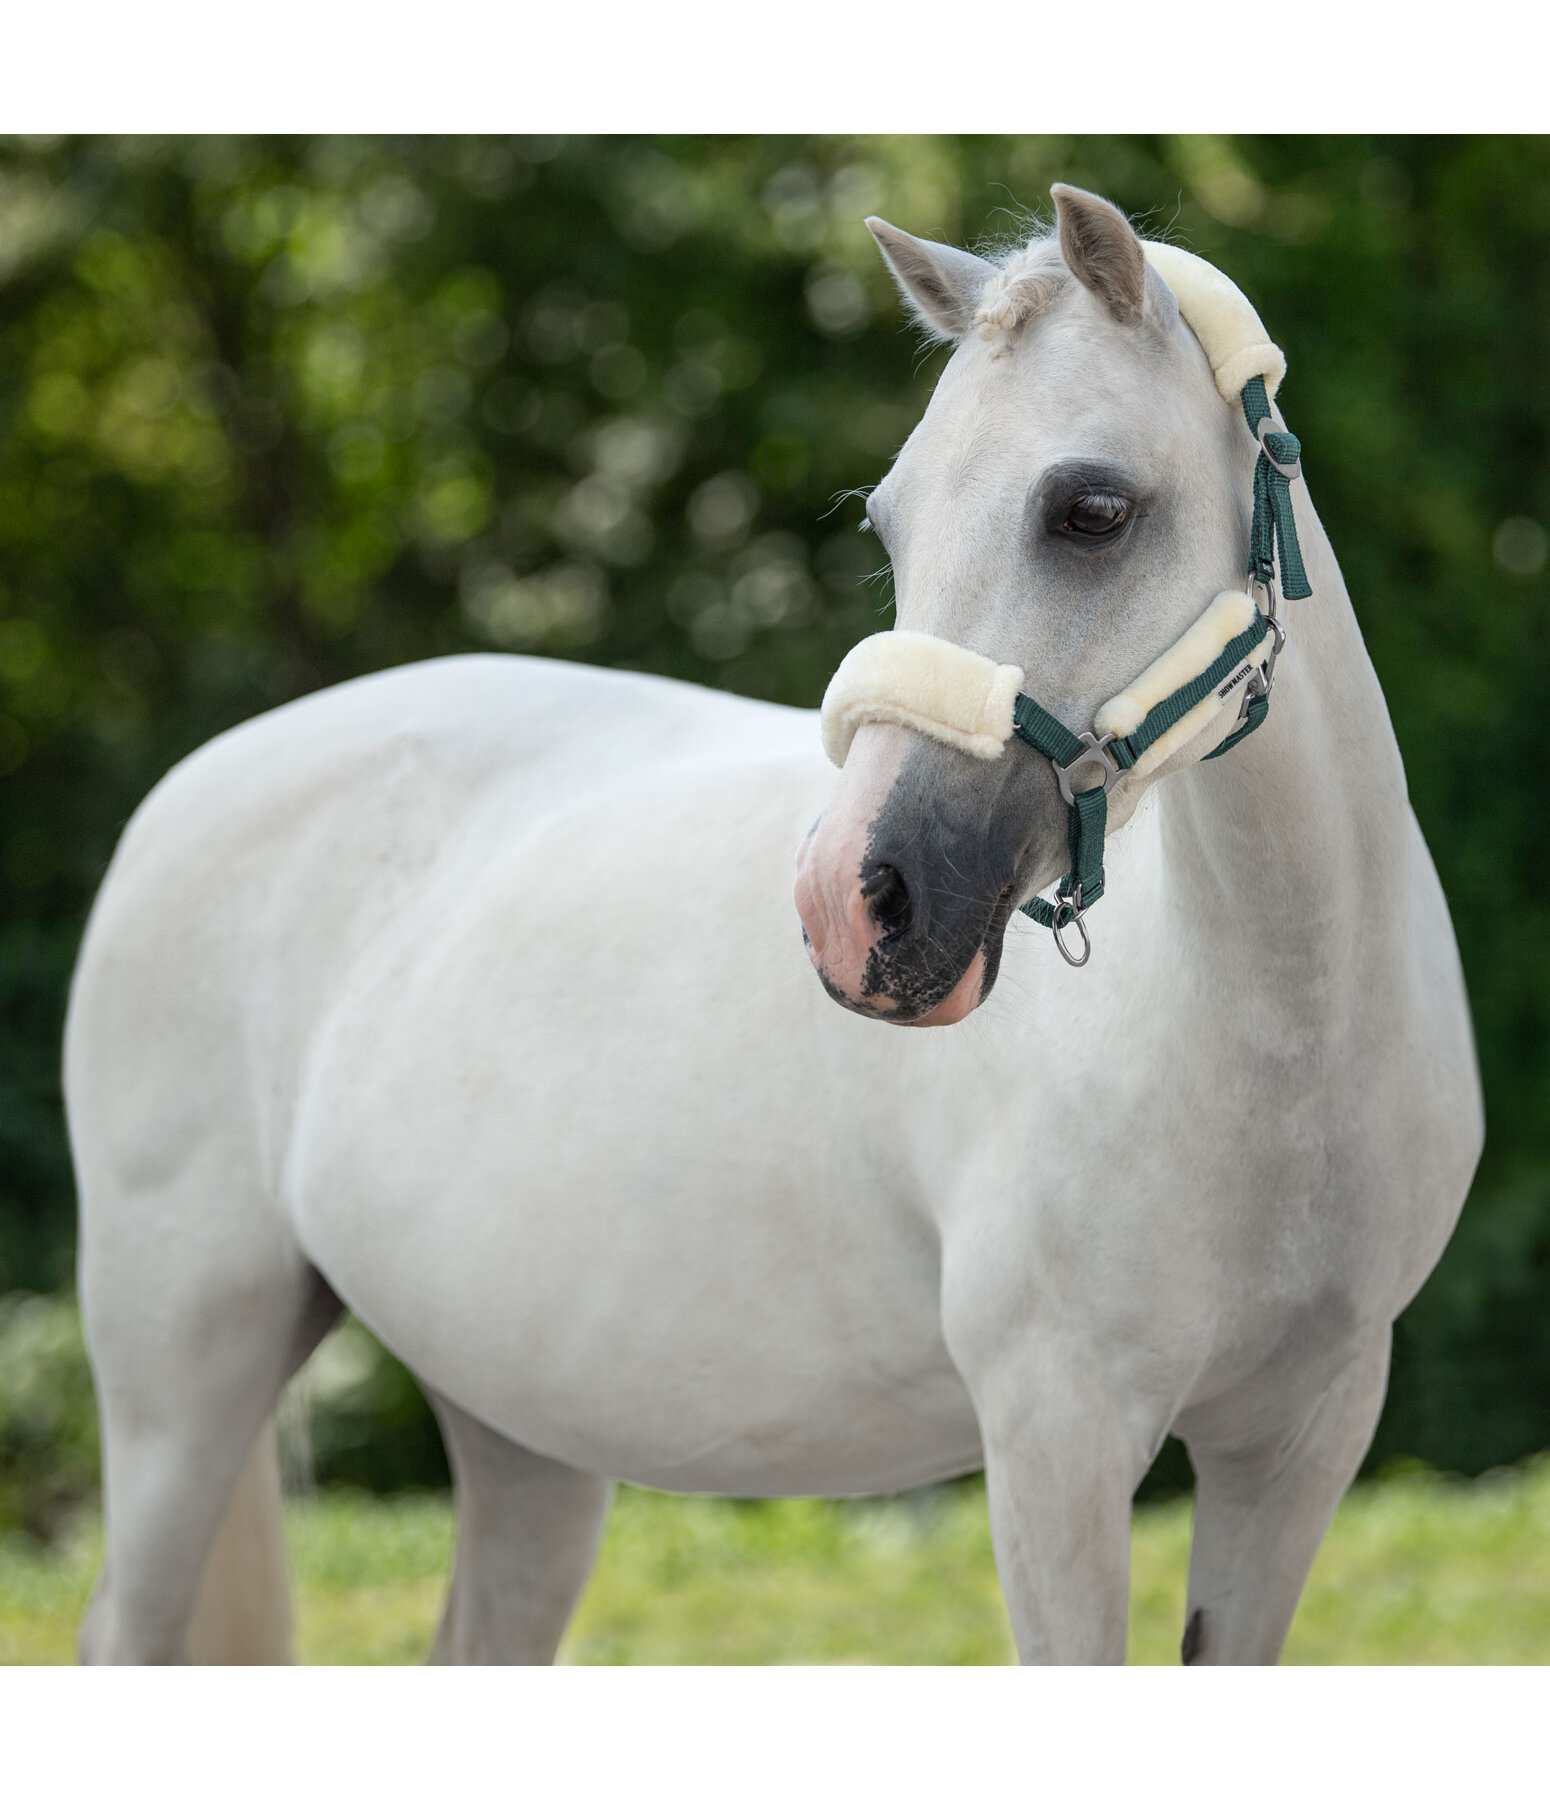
{"x": 355, "y": 1419}
{"x": 277, "y": 412}
{"x": 361, "y": 1422}
{"x": 1417, "y": 1568}
{"x": 48, "y": 1415}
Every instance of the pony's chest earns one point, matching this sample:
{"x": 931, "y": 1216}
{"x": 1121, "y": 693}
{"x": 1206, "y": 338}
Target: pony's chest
{"x": 1190, "y": 1199}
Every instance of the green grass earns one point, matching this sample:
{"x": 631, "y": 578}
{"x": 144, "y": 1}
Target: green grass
{"x": 1417, "y": 1569}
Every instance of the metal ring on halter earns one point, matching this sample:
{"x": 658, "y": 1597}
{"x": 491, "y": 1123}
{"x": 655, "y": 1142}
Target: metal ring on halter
{"x": 1068, "y": 909}
{"x": 1290, "y": 470}
{"x": 1092, "y": 752}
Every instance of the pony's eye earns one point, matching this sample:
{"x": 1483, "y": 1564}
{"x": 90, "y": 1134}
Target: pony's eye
{"x": 1096, "y": 515}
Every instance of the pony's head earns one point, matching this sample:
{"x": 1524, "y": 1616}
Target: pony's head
{"x": 1074, "y": 495}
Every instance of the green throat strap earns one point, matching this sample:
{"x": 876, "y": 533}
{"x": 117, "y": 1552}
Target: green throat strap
{"x": 1272, "y": 541}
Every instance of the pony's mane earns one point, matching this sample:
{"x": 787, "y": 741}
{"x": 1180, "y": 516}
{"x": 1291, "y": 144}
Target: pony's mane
{"x": 1028, "y": 276}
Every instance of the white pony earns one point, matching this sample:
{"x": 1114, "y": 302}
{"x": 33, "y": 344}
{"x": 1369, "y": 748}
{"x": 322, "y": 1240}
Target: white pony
{"x": 470, "y": 996}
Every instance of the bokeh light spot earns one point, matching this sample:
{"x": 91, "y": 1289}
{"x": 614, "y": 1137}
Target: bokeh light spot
{"x": 1519, "y": 546}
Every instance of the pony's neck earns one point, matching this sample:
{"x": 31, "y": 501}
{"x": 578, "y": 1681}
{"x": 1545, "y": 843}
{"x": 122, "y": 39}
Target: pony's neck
{"x": 1295, "y": 845}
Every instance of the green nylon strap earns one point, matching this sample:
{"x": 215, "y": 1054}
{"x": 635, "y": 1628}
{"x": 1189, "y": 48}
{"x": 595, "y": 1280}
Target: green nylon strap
{"x": 1087, "y": 816}
{"x": 1273, "y": 530}
{"x": 1043, "y": 731}
{"x": 1088, "y": 820}
{"x": 1040, "y": 911}
{"x": 1259, "y": 711}
{"x": 1128, "y": 751}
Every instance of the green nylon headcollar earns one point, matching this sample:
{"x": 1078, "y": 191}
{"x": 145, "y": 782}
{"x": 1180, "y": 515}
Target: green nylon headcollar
{"x": 1272, "y": 539}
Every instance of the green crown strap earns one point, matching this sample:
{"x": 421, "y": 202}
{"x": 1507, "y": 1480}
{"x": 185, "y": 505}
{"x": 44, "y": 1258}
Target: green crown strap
{"x": 1273, "y": 531}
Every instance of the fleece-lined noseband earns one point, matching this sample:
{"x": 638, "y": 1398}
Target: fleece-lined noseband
{"x": 1227, "y": 656}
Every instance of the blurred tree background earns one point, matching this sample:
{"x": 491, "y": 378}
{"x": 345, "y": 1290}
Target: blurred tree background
{"x": 276, "y": 412}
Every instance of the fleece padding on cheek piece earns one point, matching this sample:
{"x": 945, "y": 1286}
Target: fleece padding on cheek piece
{"x": 910, "y": 678}
{"x": 1228, "y": 616}
{"x": 1218, "y": 312}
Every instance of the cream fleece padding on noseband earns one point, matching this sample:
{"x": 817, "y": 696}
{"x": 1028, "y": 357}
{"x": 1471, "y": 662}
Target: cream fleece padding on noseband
{"x": 1229, "y": 614}
{"x": 910, "y": 678}
{"x": 1235, "y": 342}
{"x": 961, "y": 698}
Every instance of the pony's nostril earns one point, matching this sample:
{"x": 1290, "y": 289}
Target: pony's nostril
{"x": 887, "y": 898}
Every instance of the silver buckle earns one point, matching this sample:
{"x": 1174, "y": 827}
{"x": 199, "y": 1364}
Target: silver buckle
{"x": 1290, "y": 470}
{"x": 1259, "y": 686}
{"x": 1092, "y": 751}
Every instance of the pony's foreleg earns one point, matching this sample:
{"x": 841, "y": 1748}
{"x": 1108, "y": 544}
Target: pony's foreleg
{"x": 528, "y": 1531}
{"x": 1261, "y": 1511}
{"x": 1062, "y": 1460}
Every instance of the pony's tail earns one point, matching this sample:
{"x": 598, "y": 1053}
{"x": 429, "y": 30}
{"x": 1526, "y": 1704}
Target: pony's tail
{"x": 243, "y": 1614}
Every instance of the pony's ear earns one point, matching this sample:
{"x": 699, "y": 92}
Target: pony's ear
{"x": 940, "y": 284}
{"x": 1101, "y": 251}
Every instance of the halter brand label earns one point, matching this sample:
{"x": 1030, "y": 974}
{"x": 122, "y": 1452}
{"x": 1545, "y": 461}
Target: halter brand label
{"x": 1239, "y": 675}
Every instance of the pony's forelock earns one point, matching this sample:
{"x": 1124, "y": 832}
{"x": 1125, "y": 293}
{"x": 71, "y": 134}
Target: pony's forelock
{"x": 1027, "y": 277}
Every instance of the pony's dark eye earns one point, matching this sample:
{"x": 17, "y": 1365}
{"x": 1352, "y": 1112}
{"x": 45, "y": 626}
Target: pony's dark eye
{"x": 1096, "y": 515}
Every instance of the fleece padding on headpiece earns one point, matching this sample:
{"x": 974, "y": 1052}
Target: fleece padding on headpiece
{"x": 1235, "y": 342}
{"x": 910, "y": 678}
{"x": 1229, "y": 614}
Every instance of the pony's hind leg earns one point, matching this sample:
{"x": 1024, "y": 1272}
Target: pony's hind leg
{"x": 1261, "y": 1511}
{"x": 527, "y": 1535}
{"x": 186, "y": 1382}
